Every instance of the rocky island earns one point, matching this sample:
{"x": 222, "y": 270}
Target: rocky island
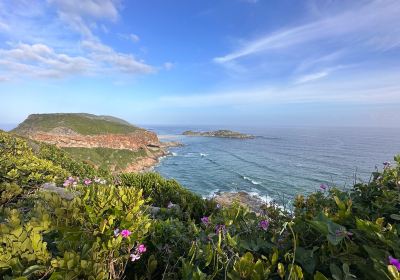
{"x": 102, "y": 141}
{"x": 223, "y": 133}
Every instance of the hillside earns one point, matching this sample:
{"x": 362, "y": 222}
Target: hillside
{"x": 103, "y": 141}
{"x": 82, "y": 123}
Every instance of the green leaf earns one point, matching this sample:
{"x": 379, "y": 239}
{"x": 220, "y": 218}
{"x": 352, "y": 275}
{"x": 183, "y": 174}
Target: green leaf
{"x": 319, "y": 276}
{"x": 336, "y": 272}
{"x": 395, "y": 217}
{"x": 33, "y": 269}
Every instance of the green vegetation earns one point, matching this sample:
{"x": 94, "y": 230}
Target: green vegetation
{"x": 85, "y": 124}
{"x": 105, "y": 157}
{"x": 219, "y": 133}
{"x": 142, "y": 226}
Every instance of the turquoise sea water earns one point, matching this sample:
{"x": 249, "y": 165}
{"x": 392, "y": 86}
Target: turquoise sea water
{"x": 279, "y": 162}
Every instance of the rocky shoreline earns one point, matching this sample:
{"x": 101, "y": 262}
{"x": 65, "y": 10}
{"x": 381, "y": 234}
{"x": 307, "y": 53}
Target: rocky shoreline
{"x": 242, "y": 198}
{"x": 219, "y": 133}
{"x": 146, "y": 164}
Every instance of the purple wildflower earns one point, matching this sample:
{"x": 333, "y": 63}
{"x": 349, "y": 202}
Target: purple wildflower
{"x": 220, "y": 228}
{"x": 395, "y": 262}
{"x": 386, "y": 164}
{"x": 264, "y": 224}
{"x": 141, "y": 248}
{"x": 323, "y": 187}
{"x": 343, "y": 233}
{"x": 170, "y": 205}
{"x": 205, "y": 220}
{"x": 87, "y": 182}
{"x": 69, "y": 181}
{"x": 125, "y": 233}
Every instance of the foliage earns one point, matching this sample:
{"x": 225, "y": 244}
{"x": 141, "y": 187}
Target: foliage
{"x": 74, "y": 239}
{"x": 161, "y": 192}
{"x": 142, "y": 226}
{"x": 106, "y": 158}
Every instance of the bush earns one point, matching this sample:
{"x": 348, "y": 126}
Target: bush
{"x": 331, "y": 234}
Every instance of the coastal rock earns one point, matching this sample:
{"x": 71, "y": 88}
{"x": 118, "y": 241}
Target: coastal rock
{"x": 219, "y": 133}
{"x": 243, "y": 198}
{"x": 62, "y": 192}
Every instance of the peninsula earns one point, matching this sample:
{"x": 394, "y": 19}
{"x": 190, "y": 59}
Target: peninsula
{"x": 219, "y": 133}
{"x": 102, "y": 141}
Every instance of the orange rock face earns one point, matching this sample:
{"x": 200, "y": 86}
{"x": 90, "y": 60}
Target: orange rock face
{"x": 133, "y": 141}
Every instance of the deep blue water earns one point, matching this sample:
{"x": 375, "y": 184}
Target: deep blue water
{"x": 280, "y": 162}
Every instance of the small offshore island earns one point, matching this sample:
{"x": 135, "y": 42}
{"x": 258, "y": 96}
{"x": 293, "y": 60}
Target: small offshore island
{"x": 222, "y": 133}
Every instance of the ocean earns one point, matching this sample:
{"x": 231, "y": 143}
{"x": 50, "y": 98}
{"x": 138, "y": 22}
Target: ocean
{"x": 280, "y": 162}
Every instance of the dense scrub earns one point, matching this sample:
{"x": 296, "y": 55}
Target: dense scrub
{"x": 142, "y": 226}
{"x": 106, "y": 158}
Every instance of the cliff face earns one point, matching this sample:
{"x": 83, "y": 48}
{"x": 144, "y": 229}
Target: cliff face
{"x": 132, "y": 141}
{"x": 86, "y": 131}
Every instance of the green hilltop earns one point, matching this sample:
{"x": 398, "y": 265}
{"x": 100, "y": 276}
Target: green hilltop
{"x": 82, "y": 123}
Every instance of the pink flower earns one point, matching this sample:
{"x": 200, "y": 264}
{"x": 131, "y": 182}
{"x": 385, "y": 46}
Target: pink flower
{"x": 323, "y": 187}
{"x": 263, "y": 224}
{"x": 141, "y": 248}
{"x": 135, "y": 257}
{"x": 395, "y": 262}
{"x": 87, "y": 182}
{"x": 125, "y": 233}
{"x": 69, "y": 181}
{"x": 205, "y": 221}
{"x": 170, "y": 205}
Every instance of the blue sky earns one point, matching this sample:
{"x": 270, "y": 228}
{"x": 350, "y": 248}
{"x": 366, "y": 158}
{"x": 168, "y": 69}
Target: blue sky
{"x": 228, "y": 62}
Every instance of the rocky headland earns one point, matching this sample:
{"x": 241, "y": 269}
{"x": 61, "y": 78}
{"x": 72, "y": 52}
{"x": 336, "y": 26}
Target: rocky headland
{"x": 75, "y": 132}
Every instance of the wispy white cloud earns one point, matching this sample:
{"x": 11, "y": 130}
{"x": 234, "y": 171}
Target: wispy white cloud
{"x": 169, "y": 65}
{"x": 361, "y": 89}
{"x": 131, "y": 37}
{"x": 98, "y": 9}
{"x": 4, "y": 26}
{"x": 123, "y": 62}
{"x": 311, "y": 77}
{"x": 372, "y": 24}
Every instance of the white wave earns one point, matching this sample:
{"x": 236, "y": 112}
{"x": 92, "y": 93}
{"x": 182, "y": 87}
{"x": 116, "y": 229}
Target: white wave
{"x": 174, "y": 154}
{"x": 203, "y": 155}
{"x": 251, "y": 180}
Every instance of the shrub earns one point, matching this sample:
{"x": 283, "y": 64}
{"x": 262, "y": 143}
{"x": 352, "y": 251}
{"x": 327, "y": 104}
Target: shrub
{"x": 98, "y": 230}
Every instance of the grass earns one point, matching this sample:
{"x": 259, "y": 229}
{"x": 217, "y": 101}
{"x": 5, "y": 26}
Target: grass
{"x": 85, "y": 124}
{"x": 106, "y": 157}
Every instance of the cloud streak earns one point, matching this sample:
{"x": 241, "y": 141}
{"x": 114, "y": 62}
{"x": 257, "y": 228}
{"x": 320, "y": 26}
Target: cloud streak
{"x": 383, "y": 89}
{"x": 374, "y": 25}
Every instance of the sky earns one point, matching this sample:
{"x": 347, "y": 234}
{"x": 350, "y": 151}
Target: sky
{"x": 191, "y": 62}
